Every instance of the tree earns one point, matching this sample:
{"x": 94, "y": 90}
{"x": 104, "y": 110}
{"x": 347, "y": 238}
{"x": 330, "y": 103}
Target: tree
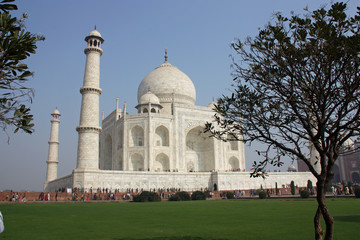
{"x": 297, "y": 86}
{"x": 16, "y": 45}
{"x": 309, "y": 185}
{"x": 292, "y": 187}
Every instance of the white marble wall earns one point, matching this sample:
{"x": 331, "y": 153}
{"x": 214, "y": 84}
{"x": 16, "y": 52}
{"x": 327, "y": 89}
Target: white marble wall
{"x": 124, "y": 180}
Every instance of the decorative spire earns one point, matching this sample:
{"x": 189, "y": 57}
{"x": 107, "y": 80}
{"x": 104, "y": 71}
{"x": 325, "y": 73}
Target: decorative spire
{"x": 95, "y": 27}
{"x": 166, "y": 56}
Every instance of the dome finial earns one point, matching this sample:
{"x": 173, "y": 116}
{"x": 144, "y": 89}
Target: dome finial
{"x": 166, "y": 56}
{"x": 95, "y": 27}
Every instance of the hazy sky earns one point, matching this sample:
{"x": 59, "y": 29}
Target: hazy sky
{"x": 196, "y": 33}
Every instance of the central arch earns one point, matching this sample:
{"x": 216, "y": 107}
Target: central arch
{"x": 199, "y": 151}
{"x": 234, "y": 163}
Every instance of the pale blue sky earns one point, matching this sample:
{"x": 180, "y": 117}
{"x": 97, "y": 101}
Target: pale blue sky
{"x": 196, "y": 33}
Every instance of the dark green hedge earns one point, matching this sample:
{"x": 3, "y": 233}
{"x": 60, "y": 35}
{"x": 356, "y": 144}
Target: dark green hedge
{"x": 262, "y": 194}
{"x": 230, "y": 195}
{"x": 147, "y": 197}
{"x": 357, "y": 191}
{"x": 180, "y": 196}
{"x": 304, "y": 193}
{"x": 198, "y": 196}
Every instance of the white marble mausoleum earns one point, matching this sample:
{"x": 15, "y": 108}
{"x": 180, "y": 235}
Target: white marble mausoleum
{"x": 162, "y": 146}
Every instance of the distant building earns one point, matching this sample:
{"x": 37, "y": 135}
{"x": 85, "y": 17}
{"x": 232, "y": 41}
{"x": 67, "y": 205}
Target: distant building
{"x": 347, "y": 166}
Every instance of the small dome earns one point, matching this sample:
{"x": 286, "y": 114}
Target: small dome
{"x": 167, "y": 81}
{"x": 291, "y": 168}
{"x": 56, "y": 112}
{"x": 95, "y": 33}
{"x": 212, "y": 104}
{"x": 149, "y": 97}
{"x": 348, "y": 144}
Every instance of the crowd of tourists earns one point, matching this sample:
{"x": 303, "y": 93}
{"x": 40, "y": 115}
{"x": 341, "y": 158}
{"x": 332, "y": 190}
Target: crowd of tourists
{"x": 342, "y": 191}
{"x": 17, "y": 197}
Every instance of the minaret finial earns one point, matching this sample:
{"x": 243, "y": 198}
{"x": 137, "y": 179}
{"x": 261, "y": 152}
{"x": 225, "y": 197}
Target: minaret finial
{"x": 166, "y": 56}
{"x": 95, "y": 27}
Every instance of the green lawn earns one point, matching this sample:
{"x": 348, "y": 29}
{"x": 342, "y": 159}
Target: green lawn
{"x": 194, "y": 220}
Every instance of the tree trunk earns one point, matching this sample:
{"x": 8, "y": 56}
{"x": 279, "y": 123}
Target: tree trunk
{"x": 317, "y": 224}
{"x": 323, "y": 211}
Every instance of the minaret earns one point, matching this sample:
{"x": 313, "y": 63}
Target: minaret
{"x": 89, "y": 129}
{"x": 315, "y": 158}
{"x": 52, "y": 162}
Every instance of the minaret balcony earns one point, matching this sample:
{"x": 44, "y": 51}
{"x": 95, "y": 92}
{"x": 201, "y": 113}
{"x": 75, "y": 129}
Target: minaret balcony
{"x": 91, "y": 90}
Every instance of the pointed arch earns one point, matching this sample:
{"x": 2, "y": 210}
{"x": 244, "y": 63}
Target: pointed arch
{"x": 355, "y": 177}
{"x": 234, "y": 145}
{"x": 200, "y": 150}
{"x": 162, "y": 163}
{"x": 161, "y": 136}
{"x": 234, "y": 163}
{"x": 137, "y": 136}
{"x": 120, "y": 139}
{"x": 137, "y": 162}
{"x": 108, "y": 153}
{"x": 336, "y": 170}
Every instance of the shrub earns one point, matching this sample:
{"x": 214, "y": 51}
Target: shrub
{"x": 146, "y": 196}
{"x": 198, "y": 196}
{"x": 357, "y": 191}
{"x": 304, "y": 194}
{"x": 175, "y": 197}
{"x": 180, "y": 196}
{"x": 262, "y": 194}
{"x": 230, "y": 195}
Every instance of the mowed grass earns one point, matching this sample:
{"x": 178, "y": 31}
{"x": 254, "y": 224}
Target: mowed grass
{"x": 193, "y": 220}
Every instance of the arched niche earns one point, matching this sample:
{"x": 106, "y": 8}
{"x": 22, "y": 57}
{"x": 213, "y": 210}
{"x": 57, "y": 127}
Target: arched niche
{"x": 336, "y": 170}
{"x": 137, "y": 136}
{"x": 199, "y": 150}
{"x": 161, "y": 136}
{"x": 355, "y": 177}
{"x": 120, "y": 139}
{"x": 162, "y": 163}
{"x": 234, "y": 145}
{"x": 234, "y": 163}
{"x": 108, "y": 153}
{"x": 137, "y": 162}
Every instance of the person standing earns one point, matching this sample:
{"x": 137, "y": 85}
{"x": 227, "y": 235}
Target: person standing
{"x": 1, "y": 223}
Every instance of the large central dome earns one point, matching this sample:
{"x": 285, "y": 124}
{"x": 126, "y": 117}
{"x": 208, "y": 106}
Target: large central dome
{"x": 168, "y": 82}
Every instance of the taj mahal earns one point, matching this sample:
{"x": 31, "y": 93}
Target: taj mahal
{"x": 162, "y": 146}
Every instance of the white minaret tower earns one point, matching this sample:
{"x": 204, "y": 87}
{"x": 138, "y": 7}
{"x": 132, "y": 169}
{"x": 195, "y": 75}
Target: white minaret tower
{"x": 89, "y": 129}
{"x": 52, "y": 162}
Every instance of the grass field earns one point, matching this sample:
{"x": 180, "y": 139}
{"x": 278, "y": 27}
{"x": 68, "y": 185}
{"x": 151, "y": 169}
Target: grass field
{"x": 194, "y": 220}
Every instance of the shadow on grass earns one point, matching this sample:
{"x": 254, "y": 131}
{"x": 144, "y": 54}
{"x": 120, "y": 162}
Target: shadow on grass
{"x": 350, "y": 218}
{"x": 175, "y": 238}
